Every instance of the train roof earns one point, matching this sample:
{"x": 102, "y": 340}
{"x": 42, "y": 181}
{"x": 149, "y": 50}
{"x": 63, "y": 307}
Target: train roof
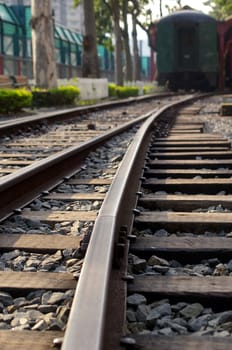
{"x": 187, "y": 15}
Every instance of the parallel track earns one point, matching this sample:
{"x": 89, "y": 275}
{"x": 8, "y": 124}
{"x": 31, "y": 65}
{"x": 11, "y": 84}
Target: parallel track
{"x": 29, "y": 139}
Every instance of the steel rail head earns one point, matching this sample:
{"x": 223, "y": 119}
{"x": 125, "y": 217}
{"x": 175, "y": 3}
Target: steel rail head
{"x": 85, "y": 328}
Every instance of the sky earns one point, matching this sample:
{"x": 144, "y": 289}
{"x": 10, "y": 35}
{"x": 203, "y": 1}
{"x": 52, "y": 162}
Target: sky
{"x": 196, "y": 4}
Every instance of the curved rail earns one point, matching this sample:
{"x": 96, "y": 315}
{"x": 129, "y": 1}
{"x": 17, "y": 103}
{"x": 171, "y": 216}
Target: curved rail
{"x": 87, "y": 321}
{"x": 62, "y": 115}
{"x": 27, "y": 181}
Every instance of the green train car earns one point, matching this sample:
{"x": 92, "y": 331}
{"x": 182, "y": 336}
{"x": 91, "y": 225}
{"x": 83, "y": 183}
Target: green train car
{"x": 187, "y": 51}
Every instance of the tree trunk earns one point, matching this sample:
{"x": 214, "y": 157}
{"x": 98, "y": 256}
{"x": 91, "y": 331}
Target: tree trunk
{"x": 43, "y": 48}
{"x": 128, "y": 60}
{"x": 90, "y": 64}
{"x": 118, "y": 44}
{"x": 137, "y": 68}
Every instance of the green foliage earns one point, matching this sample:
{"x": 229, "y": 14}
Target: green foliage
{"x": 122, "y": 91}
{"x": 61, "y": 96}
{"x": 130, "y": 91}
{"x": 103, "y": 24}
{"x": 40, "y": 98}
{"x": 13, "y": 100}
{"x": 64, "y": 95}
{"x": 148, "y": 89}
{"x": 127, "y": 91}
{"x": 112, "y": 90}
{"x": 221, "y": 9}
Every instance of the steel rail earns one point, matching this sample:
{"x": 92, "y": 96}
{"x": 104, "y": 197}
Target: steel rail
{"x": 87, "y": 320}
{"x": 24, "y": 185}
{"x": 62, "y": 115}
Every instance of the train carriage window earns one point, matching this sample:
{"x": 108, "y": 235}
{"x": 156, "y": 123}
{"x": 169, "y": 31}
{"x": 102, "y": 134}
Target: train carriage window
{"x": 186, "y": 47}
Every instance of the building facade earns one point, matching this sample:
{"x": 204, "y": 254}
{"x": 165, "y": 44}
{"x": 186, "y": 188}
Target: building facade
{"x": 16, "y": 45}
{"x": 65, "y": 13}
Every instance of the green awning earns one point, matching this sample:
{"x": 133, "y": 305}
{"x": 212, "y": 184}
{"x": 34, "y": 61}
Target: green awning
{"x": 61, "y": 33}
{"x": 7, "y": 15}
{"x": 68, "y": 34}
{"x": 78, "y": 38}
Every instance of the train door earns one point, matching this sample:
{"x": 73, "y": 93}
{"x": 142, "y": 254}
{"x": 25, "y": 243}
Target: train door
{"x": 187, "y": 55}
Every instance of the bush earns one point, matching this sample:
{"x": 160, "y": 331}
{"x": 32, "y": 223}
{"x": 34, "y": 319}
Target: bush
{"x": 13, "y": 100}
{"x": 112, "y": 88}
{"x": 122, "y": 91}
{"x": 61, "y": 96}
{"x": 64, "y": 95}
{"x": 40, "y": 98}
{"x": 127, "y": 91}
{"x": 148, "y": 89}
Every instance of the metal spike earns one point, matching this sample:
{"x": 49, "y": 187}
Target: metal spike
{"x": 139, "y": 193}
{"x": 136, "y": 211}
{"x": 132, "y": 238}
{"x": 128, "y": 278}
{"x": 128, "y": 342}
{"x": 45, "y": 193}
{"x": 57, "y": 342}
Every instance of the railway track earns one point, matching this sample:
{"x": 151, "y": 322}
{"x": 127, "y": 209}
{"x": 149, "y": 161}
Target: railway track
{"x": 177, "y": 279}
{"x": 183, "y": 229}
{"x": 43, "y": 244}
{"x": 50, "y": 237}
{"x": 29, "y": 139}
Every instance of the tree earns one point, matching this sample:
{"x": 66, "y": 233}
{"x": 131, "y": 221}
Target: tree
{"x": 126, "y": 42}
{"x": 136, "y": 71}
{"x": 90, "y": 64}
{"x": 142, "y": 12}
{"x": 114, "y": 9}
{"x": 43, "y": 48}
{"x": 118, "y": 42}
{"x": 103, "y": 24}
{"x": 118, "y": 11}
{"x": 220, "y": 8}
